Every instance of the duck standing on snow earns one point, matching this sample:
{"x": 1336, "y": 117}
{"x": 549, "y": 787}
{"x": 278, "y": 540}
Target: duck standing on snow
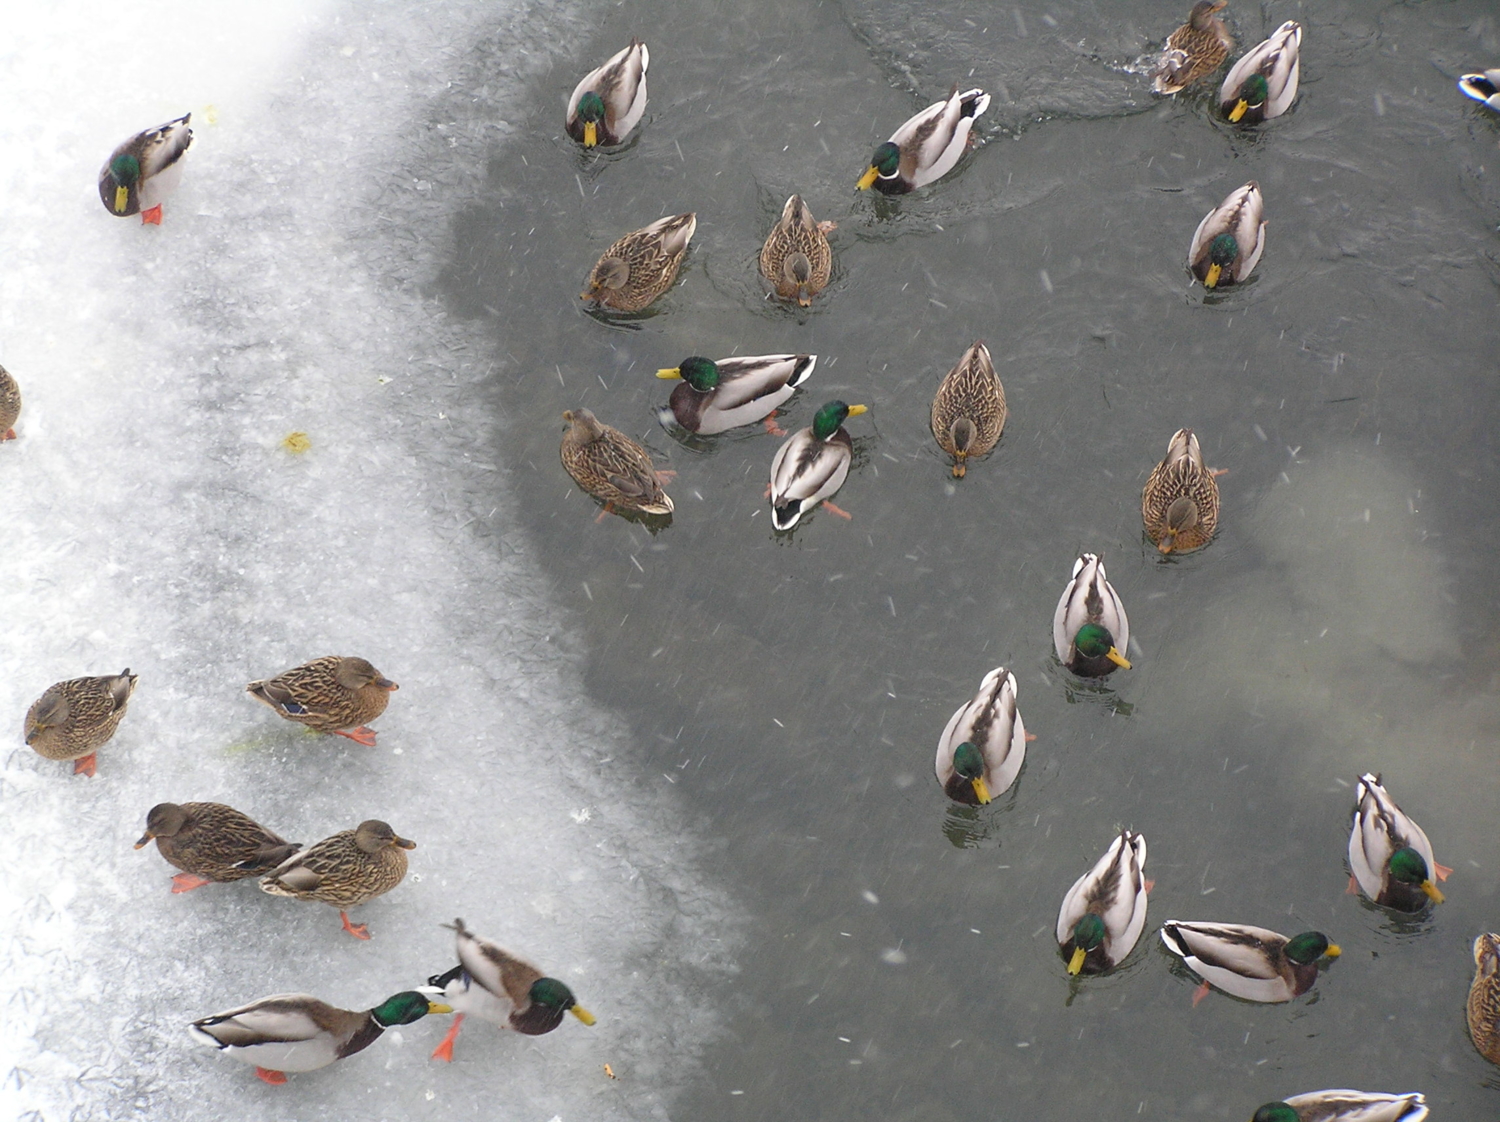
{"x": 74, "y": 719}
{"x": 925, "y": 148}
{"x": 498, "y": 987}
{"x": 211, "y": 842}
{"x": 144, "y": 170}
{"x": 336, "y": 694}
{"x": 345, "y": 870}
{"x": 10, "y": 405}
{"x": 297, "y": 1032}
{"x": 610, "y": 101}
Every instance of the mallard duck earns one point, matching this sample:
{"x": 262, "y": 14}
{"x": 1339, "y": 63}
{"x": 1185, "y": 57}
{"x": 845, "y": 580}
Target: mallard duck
{"x": 498, "y": 987}
{"x": 10, "y": 404}
{"x": 1104, "y": 913}
{"x": 715, "y": 396}
{"x": 1228, "y": 242}
{"x": 335, "y": 693}
{"x": 610, "y": 466}
{"x": 642, "y": 265}
{"x": 925, "y": 148}
{"x": 1345, "y": 1106}
{"x": 345, "y": 870}
{"x": 1249, "y": 962}
{"x": 297, "y": 1032}
{"x": 1263, "y": 84}
{"x": 1089, "y": 626}
{"x": 983, "y": 746}
{"x": 609, "y": 102}
{"x": 143, "y": 171}
{"x": 1195, "y": 49}
{"x": 1180, "y": 502}
{"x": 212, "y": 842}
{"x": 1484, "y": 997}
{"x": 1389, "y": 855}
{"x": 1483, "y": 88}
{"x": 811, "y": 466}
{"x": 968, "y": 411}
{"x": 797, "y": 258}
{"x": 73, "y": 719}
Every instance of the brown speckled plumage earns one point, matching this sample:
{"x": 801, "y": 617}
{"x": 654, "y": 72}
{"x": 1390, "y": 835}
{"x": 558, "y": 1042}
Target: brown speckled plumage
{"x": 1180, "y": 503}
{"x": 74, "y": 718}
{"x": 642, "y": 265}
{"x": 968, "y": 412}
{"x": 328, "y": 694}
{"x": 1195, "y": 49}
{"x": 1484, "y": 997}
{"x": 610, "y": 466}
{"x": 214, "y": 841}
{"x": 10, "y": 404}
{"x": 344, "y": 870}
{"x": 797, "y": 258}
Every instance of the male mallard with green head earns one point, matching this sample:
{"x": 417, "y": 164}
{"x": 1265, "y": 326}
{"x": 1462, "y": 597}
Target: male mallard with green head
{"x": 719, "y": 395}
{"x": 610, "y": 100}
{"x": 1104, "y": 913}
{"x": 927, "y": 146}
{"x": 1249, "y": 962}
{"x": 144, "y": 170}
{"x": 983, "y": 745}
{"x": 1090, "y": 630}
{"x": 812, "y": 465}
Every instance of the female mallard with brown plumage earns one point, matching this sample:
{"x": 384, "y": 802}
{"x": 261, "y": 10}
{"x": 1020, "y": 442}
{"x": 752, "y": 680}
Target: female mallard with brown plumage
{"x": 498, "y": 987}
{"x": 345, "y": 870}
{"x": 968, "y": 411}
{"x": 797, "y": 258}
{"x": 1484, "y": 997}
{"x": 1180, "y": 502}
{"x": 10, "y": 405}
{"x": 73, "y": 719}
{"x": 610, "y": 466}
{"x": 642, "y": 265}
{"x": 211, "y": 842}
{"x": 1195, "y": 49}
{"x": 609, "y": 102}
{"x": 144, "y": 170}
{"x": 1104, "y": 913}
{"x": 336, "y": 693}
{"x": 297, "y": 1032}
{"x": 1249, "y": 962}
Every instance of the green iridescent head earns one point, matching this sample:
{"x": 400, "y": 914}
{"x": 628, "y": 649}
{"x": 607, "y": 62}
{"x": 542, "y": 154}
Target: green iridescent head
{"x": 1408, "y": 866}
{"x": 1276, "y": 1112}
{"x": 1088, "y": 932}
{"x": 968, "y": 761}
{"x": 552, "y": 993}
{"x": 826, "y": 421}
{"x": 1223, "y": 250}
{"x": 1254, "y": 92}
{"x": 126, "y": 169}
{"x": 1309, "y": 947}
{"x": 1094, "y": 641}
{"x": 404, "y": 1008}
{"x": 886, "y": 160}
{"x": 700, "y": 373}
{"x": 591, "y": 107}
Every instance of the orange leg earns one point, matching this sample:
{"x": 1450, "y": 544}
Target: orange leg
{"x": 358, "y": 930}
{"x": 831, "y": 509}
{"x": 152, "y": 217}
{"x": 1030, "y": 736}
{"x": 771, "y": 426}
{"x": 1200, "y": 993}
{"x": 361, "y": 735}
{"x": 1149, "y": 885}
{"x": 84, "y": 765}
{"x": 1441, "y": 872}
{"x": 444, "y": 1051}
{"x": 1353, "y": 889}
{"x": 665, "y": 475}
{"x": 275, "y": 1078}
{"x": 10, "y": 434}
{"x": 1216, "y": 472}
{"x": 186, "y": 882}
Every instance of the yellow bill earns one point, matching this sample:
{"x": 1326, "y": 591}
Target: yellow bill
{"x": 1239, "y": 110}
{"x": 869, "y": 177}
{"x": 438, "y": 1007}
{"x": 1118, "y": 659}
{"x": 1213, "y": 276}
{"x": 1433, "y": 892}
{"x": 582, "y": 1014}
{"x": 122, "y": 199}
{"x": 674, "y": 372}
{"x": 590, "y": 134}
{"x": 1075, "y": 964}
{"x": 856, "y": 410}
{"x": 981, "y": 789}
{"x": 1334, "y": 950}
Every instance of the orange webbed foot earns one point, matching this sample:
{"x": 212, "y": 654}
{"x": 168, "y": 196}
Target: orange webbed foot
{"x": 186, "y": 882}
{"x": 609, "y": 508}
{"x": 1030, "y": 736}
{"x": 10, "y": 434}
{"x": 1216, "y": 472}
{"x": 828, "y": 226}
{"x": 1353, "y": 889}
{"x": 444, "y": 1051}
{"x": 665, "y": 475}
{"x": 362, "y": 735}
{"x": 1200, "y": 993}
{"x": 831, "y": 509}
{"x": 85, "y": 765}
{"x": 358, "y": 930}
{"x": 1149, "y": 885}
{"x": 152, "y": 217}
{"x": 772, "y": 427}
{"x": 275, "y": 1078}
{"x": 1442, "y": 872}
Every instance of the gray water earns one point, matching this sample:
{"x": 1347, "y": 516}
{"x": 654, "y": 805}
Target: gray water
{"x": 900, "y": 962}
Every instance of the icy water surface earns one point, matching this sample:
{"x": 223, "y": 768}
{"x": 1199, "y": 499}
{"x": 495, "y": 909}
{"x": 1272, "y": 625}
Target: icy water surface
{"x": 690, "y": 771}
{"x": 901, "y": 961}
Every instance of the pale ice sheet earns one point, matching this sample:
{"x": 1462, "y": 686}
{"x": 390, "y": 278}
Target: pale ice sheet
{"x": 154, "y": 520}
